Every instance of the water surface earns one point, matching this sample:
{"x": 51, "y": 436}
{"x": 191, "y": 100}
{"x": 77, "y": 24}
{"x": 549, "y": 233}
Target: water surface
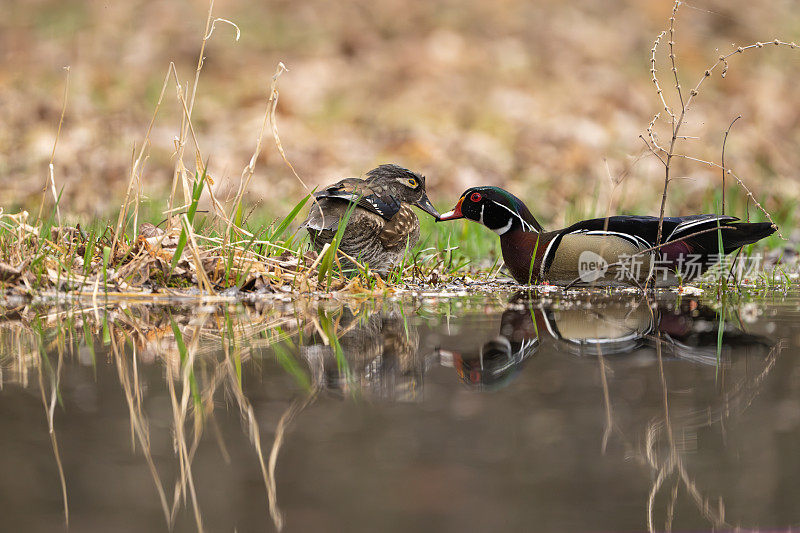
{"x": 501, "y": 412}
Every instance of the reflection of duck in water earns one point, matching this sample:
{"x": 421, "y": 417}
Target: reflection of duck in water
{"x": 500, "y": 358}
{"x": 697, "y": 333}
{"x": 617, "y": 326}
{"x": 376, "y": 353}
{"x": 686, "y": 330}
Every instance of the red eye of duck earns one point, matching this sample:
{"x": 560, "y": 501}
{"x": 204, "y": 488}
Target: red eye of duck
{"x": 475, "y": 197}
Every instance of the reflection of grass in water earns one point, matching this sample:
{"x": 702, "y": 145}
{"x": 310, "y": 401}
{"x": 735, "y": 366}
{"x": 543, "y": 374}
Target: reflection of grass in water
{"x": 204, "y": 352}
{"x": 720, "y": 332}
{"x": 289, "y": 364}
{"x": 332, "y": 338}
{"x": 229, "y": 345}
{"x": 194, "y": 378}
{"x": 671, "y": 465}
{"x": 50, "y": 407}
{"x": 184, "y": 355}
{"x": 129, "y": 379}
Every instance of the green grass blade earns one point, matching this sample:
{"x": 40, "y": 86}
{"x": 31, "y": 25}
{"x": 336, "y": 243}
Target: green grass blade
{"x": 197, "y": 190}
{"x": 326, "y": 264}
{"x": 288, "y": 219}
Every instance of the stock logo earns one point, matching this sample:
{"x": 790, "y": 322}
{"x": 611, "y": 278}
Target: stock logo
{"x": 591, "y": 266}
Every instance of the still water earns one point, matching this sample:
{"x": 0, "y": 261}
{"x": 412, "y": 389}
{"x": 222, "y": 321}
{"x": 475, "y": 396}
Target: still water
{"x": 501, "y": 412}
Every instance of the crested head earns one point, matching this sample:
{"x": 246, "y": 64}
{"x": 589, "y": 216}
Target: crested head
{"x": 495, "y": 208}
{"x": 390, "y": 173}
{"x": 402, "y": 184}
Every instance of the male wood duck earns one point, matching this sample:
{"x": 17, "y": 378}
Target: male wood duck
{"x": 619, "y": 249}
{"x": 382, "y": 223}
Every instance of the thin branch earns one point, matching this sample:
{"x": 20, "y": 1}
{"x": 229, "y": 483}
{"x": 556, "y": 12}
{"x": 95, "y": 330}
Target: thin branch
{"x": 672, "y": 49}
{"x": 741, "y": 183}
{"x": 652, "y": 150}
{"x": 653, "y": 71}
{"x": 678, "y": 121}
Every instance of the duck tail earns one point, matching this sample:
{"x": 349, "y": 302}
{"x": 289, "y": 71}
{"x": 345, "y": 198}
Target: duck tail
{"x": 696, "y": 237}
{"x": 744, "y": 233}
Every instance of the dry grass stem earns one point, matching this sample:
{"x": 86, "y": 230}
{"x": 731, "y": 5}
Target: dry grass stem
{"x": 51, "y": 178}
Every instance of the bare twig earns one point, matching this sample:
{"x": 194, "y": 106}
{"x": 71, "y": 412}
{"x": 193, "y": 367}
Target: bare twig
{"x": 653, "y": 71}
{"x": 741, "y": 183}
{"x": 653, "y": 150}
{"x": 677, "y": 119}
{"x": 672, "y": 50}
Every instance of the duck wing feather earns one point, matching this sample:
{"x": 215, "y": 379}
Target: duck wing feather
{"x": 371, "y": 196}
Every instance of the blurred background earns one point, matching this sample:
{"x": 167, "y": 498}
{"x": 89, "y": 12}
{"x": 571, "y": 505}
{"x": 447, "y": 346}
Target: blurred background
{"x": 546, "y": 98}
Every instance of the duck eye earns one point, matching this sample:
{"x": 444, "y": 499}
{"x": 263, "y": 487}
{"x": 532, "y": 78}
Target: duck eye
{"x": 475, "y": 197}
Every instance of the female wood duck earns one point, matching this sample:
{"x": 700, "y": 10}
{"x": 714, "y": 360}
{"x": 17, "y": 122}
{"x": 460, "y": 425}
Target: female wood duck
{"x": 382, "y": 223}
{"x": 619, "y": 249}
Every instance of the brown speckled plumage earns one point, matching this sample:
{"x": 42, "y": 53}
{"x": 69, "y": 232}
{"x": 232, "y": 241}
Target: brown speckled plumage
{"x": 382, "y": 223}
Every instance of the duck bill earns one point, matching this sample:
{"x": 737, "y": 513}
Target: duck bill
{"x": 425, "y": 204}
{"x": 454, "y": 214}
